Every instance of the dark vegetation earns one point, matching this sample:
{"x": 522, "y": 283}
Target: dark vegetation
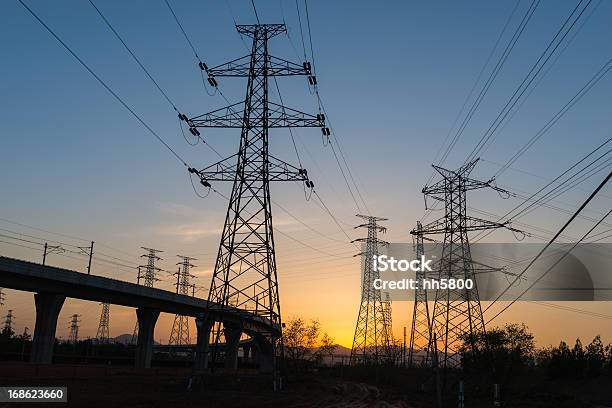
{"x": 563, "y": 376}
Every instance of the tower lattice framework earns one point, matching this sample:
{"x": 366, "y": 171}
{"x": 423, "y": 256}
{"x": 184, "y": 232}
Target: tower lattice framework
{"x": 73, "y": 337}
{"x": 148, "y": 274}
{"x": 245, "y": 274}
{"x": 103, "y": 334}
{"x": 421, "y": 323}
{"x": 456, "y": 312}
{"x": 371, "y": 342}
{"x": 8, "y": 322}
{"x": 180, "y": 328}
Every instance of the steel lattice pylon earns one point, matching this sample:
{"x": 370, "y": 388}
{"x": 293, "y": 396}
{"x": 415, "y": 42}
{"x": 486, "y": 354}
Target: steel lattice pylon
{"x": 180, "y": 328}
{"x": 421, "y": 327}
{"x": 8, "y": 323}
{"x": 74, "y": 329}
{"x": 371, "y": 343}
{"x": 456, "y": 311}
{"x": 103, "y": 334}
{"x": 150, "y": 272}
{"x": 245, "y": 275}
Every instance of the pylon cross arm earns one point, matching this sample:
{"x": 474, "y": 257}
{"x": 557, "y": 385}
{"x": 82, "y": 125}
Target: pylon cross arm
{"x": 225, "y": 170}
{"x": 241, "y": 67}
{"x": 279, "y": 116}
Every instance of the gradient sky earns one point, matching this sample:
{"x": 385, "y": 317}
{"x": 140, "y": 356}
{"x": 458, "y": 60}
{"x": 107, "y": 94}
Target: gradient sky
{"x": 393, "y": 76}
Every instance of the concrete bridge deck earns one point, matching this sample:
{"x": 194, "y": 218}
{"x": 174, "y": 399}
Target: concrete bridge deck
{"x": 52, "y": 285}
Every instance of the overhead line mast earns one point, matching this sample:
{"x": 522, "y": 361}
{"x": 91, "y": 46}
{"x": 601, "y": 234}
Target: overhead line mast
{"x": 245, "y": 274}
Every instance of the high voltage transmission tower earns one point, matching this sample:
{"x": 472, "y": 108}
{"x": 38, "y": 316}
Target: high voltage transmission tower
{"x": 74, "y": 329}
{"x": 456, "y": 312}
{"x": 149, "y": 276}
{"x": 103, "y": 334}
{"x": 420, "y": 330}
{"x": 8, "y": 323}
{"x": 371, "y": 343}
{"x": 180, "y": 328}
{"x": 245, "y": 274}
{"x": 388, "y": 326}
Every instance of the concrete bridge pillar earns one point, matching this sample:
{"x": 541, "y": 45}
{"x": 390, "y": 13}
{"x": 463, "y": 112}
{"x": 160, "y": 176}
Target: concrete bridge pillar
{"x": 48, "y": 306}
{"x": 264, "y": 354}
{"x": 146, "y": 326}
{"x": 204, "y": 325}
{"x": 232, "y": 341}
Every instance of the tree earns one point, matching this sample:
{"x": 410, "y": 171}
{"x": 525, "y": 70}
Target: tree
{"x": 326, "y": 348}
{"x": 304, "y": 344}
{"x": 299, "y": 339}
{"x": 504, "y": 351}
{"x": 595, "y": 357}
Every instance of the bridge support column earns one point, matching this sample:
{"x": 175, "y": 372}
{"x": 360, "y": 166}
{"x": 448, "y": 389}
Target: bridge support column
{"x": 232, "y": 341}
{"x": 146, "y": 326}
{"x": 204, "y": 325}
{"x": 48, "y": 306}
{"x": 265, "y": 354}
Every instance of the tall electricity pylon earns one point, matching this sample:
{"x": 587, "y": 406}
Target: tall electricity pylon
{"x": 180, "y": 328}
{"x": 149, "y": 277}
{"x": 371, "y": 340}
{"x": 74, "y": 329}
{"x": 103, "y": 334}
{"x": 457, "y": 312}
{"x": 388, "y": 337}
{"x": 8, "y": 323}
{"x": 245, "y": 274}
{"x": 421, "y": 327}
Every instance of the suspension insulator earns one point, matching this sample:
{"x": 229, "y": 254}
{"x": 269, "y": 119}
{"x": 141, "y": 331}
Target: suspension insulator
{"x": 212, "y": 81}
{"x": 193, "y": 131}
{"x": 205, "y": 183}
{"x": 312, "y": 80}
{"x": 197, "y": 132}
{"x": 306, "y": 66}
{"x": 191, "y": 170}
{"x": 203, "y": 66}
{"x": 326, "y": 131}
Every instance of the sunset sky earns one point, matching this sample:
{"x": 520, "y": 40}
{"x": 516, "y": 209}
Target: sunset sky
{"x": 76, "y": 167}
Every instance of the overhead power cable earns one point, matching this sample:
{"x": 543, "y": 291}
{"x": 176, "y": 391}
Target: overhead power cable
{"x": 554, "y": 238}
{"x": 105, "y": 85}
{"x": 536, "y": 68}
{"x": 110, "y": 26}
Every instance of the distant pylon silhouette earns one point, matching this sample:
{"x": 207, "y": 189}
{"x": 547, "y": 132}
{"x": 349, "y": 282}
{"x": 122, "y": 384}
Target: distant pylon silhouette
{"x": 457, "y": 311}
{"x": 371, "y": 341}
{"x": 420, "y": 330}
{"x": 180, "y": 328}
{"x": 103, "y": 334}
{"x": 148, "y": 277}
{"x": 8, "y": 323}
{"x": 74, "y": 329}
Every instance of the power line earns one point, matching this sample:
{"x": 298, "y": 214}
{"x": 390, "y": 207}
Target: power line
{"x": 109, "y": 25}
{"x": 553, "y": 239}
{"x": 107, "y": 87}
{"x": 551, "y": 267}
{"x": 557, "y": 178}
{"x": 558, "y": 115}
{"x": 528, "y": 79}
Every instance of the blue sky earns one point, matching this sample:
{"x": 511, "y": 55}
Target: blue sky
{"x": 393, "y": 76}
